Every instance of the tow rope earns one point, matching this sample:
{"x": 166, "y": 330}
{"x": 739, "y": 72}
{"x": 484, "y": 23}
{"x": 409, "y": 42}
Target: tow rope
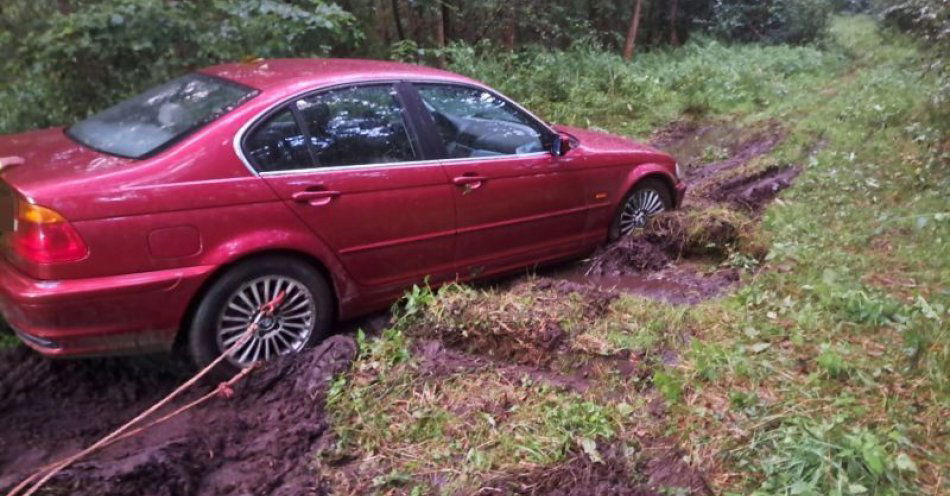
{"x": 41, "y": 476}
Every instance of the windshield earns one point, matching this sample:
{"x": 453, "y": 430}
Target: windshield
{"x": 151, "y": 121}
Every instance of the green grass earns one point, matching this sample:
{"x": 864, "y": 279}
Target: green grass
{"x": 826, "y": 373}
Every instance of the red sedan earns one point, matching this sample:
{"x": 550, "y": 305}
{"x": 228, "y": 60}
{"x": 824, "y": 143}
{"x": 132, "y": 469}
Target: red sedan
{"x": 175, "y": 216}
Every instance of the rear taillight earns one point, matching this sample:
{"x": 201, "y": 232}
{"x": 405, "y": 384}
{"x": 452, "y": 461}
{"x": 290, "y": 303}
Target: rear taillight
{"x": 41, "y": 235}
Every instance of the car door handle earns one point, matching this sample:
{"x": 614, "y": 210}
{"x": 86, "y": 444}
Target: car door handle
{"x": 470, "y": 182}
{"x": 315, "y": 198}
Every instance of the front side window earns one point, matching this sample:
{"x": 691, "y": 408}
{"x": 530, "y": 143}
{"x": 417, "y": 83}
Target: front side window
{"x": 357, "y": 126}
{"x": 159, "y": 117}
{"x": 474, "y": 123}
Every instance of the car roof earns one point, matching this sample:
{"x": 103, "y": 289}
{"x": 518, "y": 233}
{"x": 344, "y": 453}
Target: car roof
{"x": 267, "y": 74}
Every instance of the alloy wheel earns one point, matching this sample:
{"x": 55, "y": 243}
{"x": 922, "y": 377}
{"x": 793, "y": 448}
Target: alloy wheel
{"x": 286, "y": 330}
{"x": 639, "y": 207}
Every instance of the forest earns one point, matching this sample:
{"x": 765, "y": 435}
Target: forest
{"x": 784, "y": 332}
{"x": 78, "y": 55}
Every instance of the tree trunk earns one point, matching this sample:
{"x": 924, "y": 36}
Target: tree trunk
{"x": 631, "y": 42}
{"x": 674, "y": 37}
{"x": 440, "y": 35}
{"x": 399, "y": 32}
{"x": 446, "y": 18}
{"x": 511, "y": 28}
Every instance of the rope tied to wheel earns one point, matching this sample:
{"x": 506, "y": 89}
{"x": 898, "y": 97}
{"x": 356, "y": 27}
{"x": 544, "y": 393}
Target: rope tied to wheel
{"x": 224, "y": 390}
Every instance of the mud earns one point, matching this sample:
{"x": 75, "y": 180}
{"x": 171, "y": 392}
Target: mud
{"x": 677, "y": 256}
{"x": 754, "y": 192}
{"x": 256, "y": 442}
{"x": 655, "y": 470}
{"x": 437, "y": 361}
{"x": 686, "y": 282}
{"x": 630, "y": 254}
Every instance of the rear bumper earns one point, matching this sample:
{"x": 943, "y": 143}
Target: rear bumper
{"x": 99, "y": 316}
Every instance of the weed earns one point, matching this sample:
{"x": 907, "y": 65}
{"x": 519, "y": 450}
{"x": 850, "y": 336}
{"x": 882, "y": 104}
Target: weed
{"x": 806, "y": 457}
{"x": 825, "y": 374}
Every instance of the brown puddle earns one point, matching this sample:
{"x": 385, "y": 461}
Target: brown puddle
{"x": 687, "y": 282}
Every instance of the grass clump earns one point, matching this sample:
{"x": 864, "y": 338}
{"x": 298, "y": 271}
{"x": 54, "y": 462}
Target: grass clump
{"x": 400, "y": 425}
{"x": 530, "y": 323}
{"x": 716, "y": 232}
{"x": 810, "y": 457}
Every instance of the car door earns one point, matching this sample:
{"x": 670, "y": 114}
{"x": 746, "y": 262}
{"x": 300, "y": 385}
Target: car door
{"x": 349, "y": 163}
{"x": 516, "y": 203}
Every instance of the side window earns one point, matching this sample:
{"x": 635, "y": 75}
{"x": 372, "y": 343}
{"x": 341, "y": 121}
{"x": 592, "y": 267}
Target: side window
{"x": 278, "y": 145}
{"x": 356, "y": 126}
{"x": 475, "y": 123}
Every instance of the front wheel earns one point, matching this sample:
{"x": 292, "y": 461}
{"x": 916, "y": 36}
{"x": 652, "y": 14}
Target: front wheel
{"x": 301, "y": 318}
{"x": 648, "y": 198}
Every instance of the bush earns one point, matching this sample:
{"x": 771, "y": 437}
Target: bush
{"x": 769, "y": 21}
{"x": 929, "y": 19}
{"x": 81, "y": 61}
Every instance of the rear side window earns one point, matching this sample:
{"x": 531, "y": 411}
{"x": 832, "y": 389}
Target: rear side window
{"x": 278, "y": 144}
{"x": 475, "y": 123}
{"x": 356, "y": 126}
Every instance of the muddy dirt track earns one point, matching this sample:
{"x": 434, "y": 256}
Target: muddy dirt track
{"x": 262, "y": 439}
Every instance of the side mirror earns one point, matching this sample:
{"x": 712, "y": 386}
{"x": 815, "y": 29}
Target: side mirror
{"x": 560, "y": 145}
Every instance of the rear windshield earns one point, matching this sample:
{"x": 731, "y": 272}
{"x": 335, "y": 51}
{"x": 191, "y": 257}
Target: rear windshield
{"x": 147, "y": 123}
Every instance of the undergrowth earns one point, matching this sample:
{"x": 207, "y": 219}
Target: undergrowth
{"x": 825, "y": 374}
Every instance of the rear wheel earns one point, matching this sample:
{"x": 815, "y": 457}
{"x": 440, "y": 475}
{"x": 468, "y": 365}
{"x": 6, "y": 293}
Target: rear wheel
{"x": 648, "y": 198}
{"x": 301, "y": 316}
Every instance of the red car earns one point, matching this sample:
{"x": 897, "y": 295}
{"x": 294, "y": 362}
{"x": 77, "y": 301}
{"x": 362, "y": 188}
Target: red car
{"x": 174, "y": 216}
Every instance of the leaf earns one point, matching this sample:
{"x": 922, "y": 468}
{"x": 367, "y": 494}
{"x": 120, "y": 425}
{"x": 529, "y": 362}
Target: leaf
{"x": 590, "y": 448}
{"x": 873, "y": 460}
{"x": 759, "y": 347}
{"x": 905, "y": 464}
{"x": 856, "y": 489}
{"x": 799, "y": 487}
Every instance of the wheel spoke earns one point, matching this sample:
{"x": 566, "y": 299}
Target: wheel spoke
{"x": 304, "y": 314}
{"x": 258, "y": 302}
{"x": 230, "y": 340}
{"x": 266, "y": 344}
{"x": 294, "y": 338}
{"x": 283, "y": 345}
{"x": 237, "y": 308}
{"x": 303, "y": 304}
{"x": 300, "y": 326}
{"x": 233, "y": 329}
{"x": 243, "y": 351}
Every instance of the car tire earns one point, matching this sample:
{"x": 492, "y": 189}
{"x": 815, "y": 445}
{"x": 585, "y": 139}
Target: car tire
{"x": 648, "y": 197}
{"x": 215, "y": 319}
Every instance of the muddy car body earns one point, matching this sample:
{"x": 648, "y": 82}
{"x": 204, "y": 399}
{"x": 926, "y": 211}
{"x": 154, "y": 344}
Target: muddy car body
{"x": 363, "y": 177}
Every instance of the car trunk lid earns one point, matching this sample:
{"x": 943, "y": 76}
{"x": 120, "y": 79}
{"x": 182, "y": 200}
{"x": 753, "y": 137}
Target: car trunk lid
{"x": 33, "y": 162}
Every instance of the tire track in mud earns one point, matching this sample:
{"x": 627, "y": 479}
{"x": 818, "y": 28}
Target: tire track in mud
{"x": 257, "y": 442}
{"x": 661, "y": 262}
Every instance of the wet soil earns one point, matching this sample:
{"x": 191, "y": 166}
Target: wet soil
{"x": 256, "y": 442}
{"x": 656, "y": 470}
{"x": 670, "y": 260}
{"x": 685, "y": 282}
